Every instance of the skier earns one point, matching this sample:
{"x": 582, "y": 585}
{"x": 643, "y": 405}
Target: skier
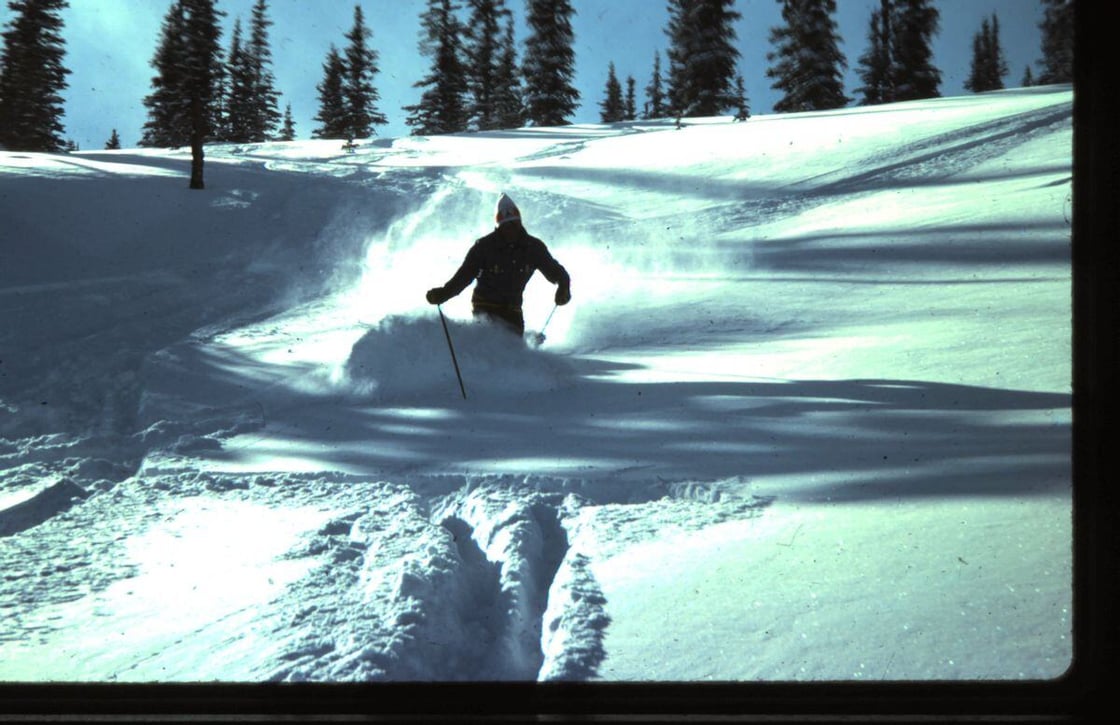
{"x": 502, "y": 262}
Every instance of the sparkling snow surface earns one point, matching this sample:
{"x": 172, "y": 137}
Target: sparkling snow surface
{"x": 807, "y": 416}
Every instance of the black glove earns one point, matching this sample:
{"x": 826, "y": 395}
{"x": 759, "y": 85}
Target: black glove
{"x": 563, "y": 295}
{"x": 438, "y": 295}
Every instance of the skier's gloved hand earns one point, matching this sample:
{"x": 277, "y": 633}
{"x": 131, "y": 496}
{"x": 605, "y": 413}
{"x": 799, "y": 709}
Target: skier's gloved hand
{"x": 563, "y": 295}
{"x": 437, "y": 296}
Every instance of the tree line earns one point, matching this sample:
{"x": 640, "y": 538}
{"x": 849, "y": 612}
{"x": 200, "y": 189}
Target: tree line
{"x": 475, "y": 80}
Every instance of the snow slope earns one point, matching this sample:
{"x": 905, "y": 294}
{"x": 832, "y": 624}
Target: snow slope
{"x": 806, "y": 418}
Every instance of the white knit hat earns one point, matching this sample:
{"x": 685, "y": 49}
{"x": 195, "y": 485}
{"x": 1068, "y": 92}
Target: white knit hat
{"x": 507, "y": 211}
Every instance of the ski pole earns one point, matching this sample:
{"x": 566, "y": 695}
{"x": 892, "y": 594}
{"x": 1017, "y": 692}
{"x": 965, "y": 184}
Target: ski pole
{"x": 540, "y": 335}
{"x": 452, "y": 349}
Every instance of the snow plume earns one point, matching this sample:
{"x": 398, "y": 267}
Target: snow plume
{"x": 420, "y": 250}
{"x": 406, "y": 356}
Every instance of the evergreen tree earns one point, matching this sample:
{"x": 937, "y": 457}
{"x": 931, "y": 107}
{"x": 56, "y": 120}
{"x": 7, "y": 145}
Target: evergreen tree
{"x": 914, "y": 24}
{"x": 808, "y": 65}
{"x": 167, "y": 123}
{"x": 876, "y": 65}
{"x": 631, "y": 101}
{"x": 32, "y": 77}
{"x": 288, "y": 126}
{"x": 114, "y": 142}
{"x": 1028, "y": 78}
{"x": 743, "y": 109}
{"x": 264, "y": 114}
{"x": 1057, "y": 42}
{"x": 483, "y": 57}
{"x": 237, "y": 121}
{"x": 442, "y": 107}
{"x": 655, "y": 96}
{"x": 988, "y": 63}
{"x": 200, "y": 74}
{"x": 611, "y": 107}
{"x": 549, "y": 65}
{"x": 332, "y": 114}
{"x": 702, "y": 56}
{"x": 510, "y": 108}
{"x": 358, "y": 91}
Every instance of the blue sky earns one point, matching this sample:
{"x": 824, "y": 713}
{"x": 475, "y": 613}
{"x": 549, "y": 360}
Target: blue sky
{"x": 110, "y": 44}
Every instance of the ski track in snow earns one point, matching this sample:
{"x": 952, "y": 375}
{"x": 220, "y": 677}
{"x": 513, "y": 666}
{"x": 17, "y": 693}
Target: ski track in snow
{"x": 136, "y": 413}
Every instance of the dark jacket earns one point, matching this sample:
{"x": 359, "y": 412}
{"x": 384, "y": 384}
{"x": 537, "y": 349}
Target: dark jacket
{"x": 503, "y": 267}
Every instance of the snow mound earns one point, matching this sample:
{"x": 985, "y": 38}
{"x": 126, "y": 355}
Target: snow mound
{"x": 404, "y": 356}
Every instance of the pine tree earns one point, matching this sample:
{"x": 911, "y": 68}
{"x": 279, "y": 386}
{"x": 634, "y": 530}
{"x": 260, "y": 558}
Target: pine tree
{"x": 442, "y": 107}
{"x": 264, "y": 114}
{"x": 167, "y": 123}
{"x": 332, "y": 114}
{"x": 237, "y": 120}
{"x": 655, "y": 96}
{"x": 702, "y": 56}
{"x": 914, "y": 24}
{"x": 1057, "y": 42}
{"x": 199, "y": 88}
{"x": 32, "y": 77}
{"x": 483, "y": 56}
{"x": 114, "y": 142}
{"x": 743, "y": 109}
{"x": 508, "y": 101}
{"x": 988, "y": 66}
{"x": 1028, "y": 78}
{"x": 809, "y": 65}
{"x": 876, "y": 65}
{"x": 358, "y": 91}
{"x": 549, "y": 66}
{"x": 631, "y": 101}
{"x": 288, "y": 126}
{"x": 611, "y": 107}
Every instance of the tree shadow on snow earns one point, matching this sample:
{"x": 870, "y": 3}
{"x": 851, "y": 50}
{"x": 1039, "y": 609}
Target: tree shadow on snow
{"x": 838, "y": 440}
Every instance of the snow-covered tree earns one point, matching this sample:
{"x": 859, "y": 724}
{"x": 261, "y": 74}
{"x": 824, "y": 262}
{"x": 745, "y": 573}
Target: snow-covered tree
{"x": 702, "y": 56}
{"x": 1057, "y": 42}
{"x": 442, "y": 107}
{"x": 611, "y": 108}
{"x": 876, "y": 64}
{"x": 914, "y": 23}
{"x": 549, "y": 65}
{"x": 989, "y": 66}
{"x": 32, "y": 76}
{"x": 332, "y": 115}
{"x": 358, "y": 91}
{"x": 808, "y": 66}
{"x": 655, "y": 94}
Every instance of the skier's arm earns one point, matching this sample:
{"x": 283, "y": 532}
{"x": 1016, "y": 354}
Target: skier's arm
{"x": 466, "y": 274}
{"x": 555, "y": 273}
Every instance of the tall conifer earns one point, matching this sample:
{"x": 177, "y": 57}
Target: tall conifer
{"x": 612, "y": 108}
{"x": 702, "y": 56}
{"x": 332, "y": 115}
{"x": 914, "y": 24}
{"x": 442, "y": 108}
{"x": 1057, "y": 42}
{"x": 548, "y": 68}
{"x": 358, "y": 90}
{"x": 807, "y": 63}
{"x": 32, "y": 76}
